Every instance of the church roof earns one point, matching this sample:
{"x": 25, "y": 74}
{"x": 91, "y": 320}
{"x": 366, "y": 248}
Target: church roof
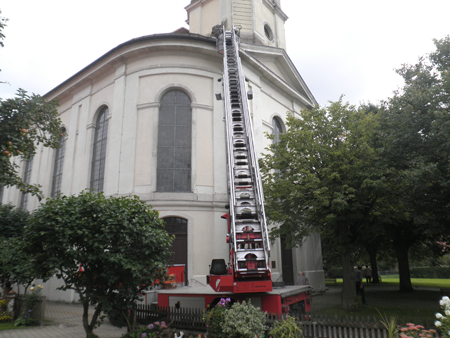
{"x": 272, "y": 62}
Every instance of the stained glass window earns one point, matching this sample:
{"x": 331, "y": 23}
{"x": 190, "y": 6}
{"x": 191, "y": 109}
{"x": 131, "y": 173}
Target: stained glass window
{"x": 174, "y": 143}
{"x": 99, "y": 154}
{"x": 59, "y": 163}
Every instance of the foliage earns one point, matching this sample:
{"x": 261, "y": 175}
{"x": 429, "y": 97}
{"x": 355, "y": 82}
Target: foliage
{"x": 25, "y": 122}
{"x": 287, "y": 328}
{"x": 4, "y": 316}
{"x": 3, "y": 22}
{"x": 441, "y": 272}
{"x": 414, "y": 145}
{"x": 319, "y": 177}
{"x": 29, "y": 305}
{"x": 443, "y": 321}
{"x": 243, "y": 320}
{"x": 15, "y": 266}
{"x": 415, "y": 331}
{"x": 390, "y": 323}
{"x": 119, "y": 242}
{"x": 214, "y": 318}
{"x": 156, "y": 330}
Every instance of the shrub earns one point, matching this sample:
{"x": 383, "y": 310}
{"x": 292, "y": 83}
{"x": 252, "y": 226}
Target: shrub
{"x": 214, "y": 318}
{"x": 430, "y": 272}
{"x": 155, "y": 330}
{"x": 30, "y": 302}
{"x": 4, "y": 318}
{"x": 244, "y": 321}
{"x": 287, "y": 328}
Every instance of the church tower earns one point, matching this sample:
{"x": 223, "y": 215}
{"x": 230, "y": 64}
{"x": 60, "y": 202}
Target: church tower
{"x": 261, "y": 21}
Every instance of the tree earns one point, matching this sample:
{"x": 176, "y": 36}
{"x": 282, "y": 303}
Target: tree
{"x": 14, "y": 263}
{"x": 414, "y": 147}
{"x": 319, "y": 177}
{"x": 25, "y": 122}
{"x": 119, "y": 243}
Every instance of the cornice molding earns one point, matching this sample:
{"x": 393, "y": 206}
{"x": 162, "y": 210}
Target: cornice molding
{"x": 275, "y": 8}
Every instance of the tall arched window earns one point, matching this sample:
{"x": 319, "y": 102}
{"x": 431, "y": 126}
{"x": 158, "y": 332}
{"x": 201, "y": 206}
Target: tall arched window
{"x": 174, "y": 143}
{"x": 26, "y": 180}
{"x": 59, "y": 163}
{"x": 277, "y": 129}
{"x": 99, "y": 154}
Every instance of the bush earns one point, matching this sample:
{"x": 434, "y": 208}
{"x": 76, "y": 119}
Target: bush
{"x": 155, "y": 330}
{"x": 287, "y": 328}
{"x": 430, "y": 272}
{"x": 214, "y": 318}
{"x": 244, "y": 321}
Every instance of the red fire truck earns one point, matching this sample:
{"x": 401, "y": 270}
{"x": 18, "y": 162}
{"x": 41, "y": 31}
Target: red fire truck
{"x": 248, "y": 273}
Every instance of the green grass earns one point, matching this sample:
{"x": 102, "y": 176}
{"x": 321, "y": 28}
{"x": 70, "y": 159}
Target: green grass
{"x": 8, "y": 326}
{"x": 419, "y": 306}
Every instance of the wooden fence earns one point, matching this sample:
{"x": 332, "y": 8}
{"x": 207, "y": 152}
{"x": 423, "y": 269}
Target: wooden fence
{"x": 183, "y": 318}
{"x": 320, "y": 326}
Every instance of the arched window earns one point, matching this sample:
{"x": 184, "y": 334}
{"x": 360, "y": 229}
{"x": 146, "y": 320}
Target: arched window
{"x": 277, "y": 129}
{"x": 59, "y": 163}
{"x": 26, "y": 180}
{"x": 178, "y": 227}
{"x": 174, "y": 143}
{"x": 99, "y": 154}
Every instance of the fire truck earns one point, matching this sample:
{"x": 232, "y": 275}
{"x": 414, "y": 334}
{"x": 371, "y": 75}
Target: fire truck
{"x": 248, "y": 273}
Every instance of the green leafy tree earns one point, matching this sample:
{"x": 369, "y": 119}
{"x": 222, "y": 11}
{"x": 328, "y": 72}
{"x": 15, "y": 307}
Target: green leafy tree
{"x": 25, "y": 122}
{"x": 414, "y": 149}
{"x": 14, "y": 263}
{"x": 319, "y": 178}
{"x": 120, "y": 243}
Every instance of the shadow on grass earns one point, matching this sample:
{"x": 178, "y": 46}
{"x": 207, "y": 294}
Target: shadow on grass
{"x": 417, "y": 306}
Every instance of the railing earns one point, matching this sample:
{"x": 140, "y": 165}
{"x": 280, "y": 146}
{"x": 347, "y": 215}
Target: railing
{"x": 314, "y": 326}
{"x": 183, "y": 318}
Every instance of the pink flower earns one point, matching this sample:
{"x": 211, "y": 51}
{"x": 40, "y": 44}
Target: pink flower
{"x": 410, "y": 324}
{"x": 404, "y": 329}
{"x": 419, "y": 326}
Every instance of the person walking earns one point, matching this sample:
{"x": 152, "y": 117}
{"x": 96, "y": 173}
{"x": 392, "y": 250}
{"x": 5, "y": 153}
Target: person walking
{"x": 359, "y": 284}
{"x": 302, "y": 279}
{"x": 368, "y": 274}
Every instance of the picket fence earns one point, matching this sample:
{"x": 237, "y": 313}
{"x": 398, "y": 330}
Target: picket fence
{"x": 314, "y": 326}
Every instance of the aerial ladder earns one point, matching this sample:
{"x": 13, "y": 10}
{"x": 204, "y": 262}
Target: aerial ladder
{"x": 249, "y": 268}
{"x": 248, "y": 273}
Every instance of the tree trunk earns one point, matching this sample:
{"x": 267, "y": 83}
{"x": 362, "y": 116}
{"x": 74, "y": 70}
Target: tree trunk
{"x": 374, "y": 266}
{"x": 401, "y": 250}
{"x": 86, "y": 326}
{"x": 89, "y": 328}
{"x": 348, "y": 294}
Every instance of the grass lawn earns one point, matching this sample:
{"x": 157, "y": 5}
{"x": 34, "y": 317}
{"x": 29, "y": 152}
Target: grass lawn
{"x": 419, "y": 306}
{"x": 8, "y": 326}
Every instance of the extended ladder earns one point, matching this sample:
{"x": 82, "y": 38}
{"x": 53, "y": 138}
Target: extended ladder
{"x": 250, "y": 247}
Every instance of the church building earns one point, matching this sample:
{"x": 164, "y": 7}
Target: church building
{"x": 143, "y": 119}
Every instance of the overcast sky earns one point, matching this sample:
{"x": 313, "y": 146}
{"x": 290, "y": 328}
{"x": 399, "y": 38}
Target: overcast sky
{"x": 348, "y": 47}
